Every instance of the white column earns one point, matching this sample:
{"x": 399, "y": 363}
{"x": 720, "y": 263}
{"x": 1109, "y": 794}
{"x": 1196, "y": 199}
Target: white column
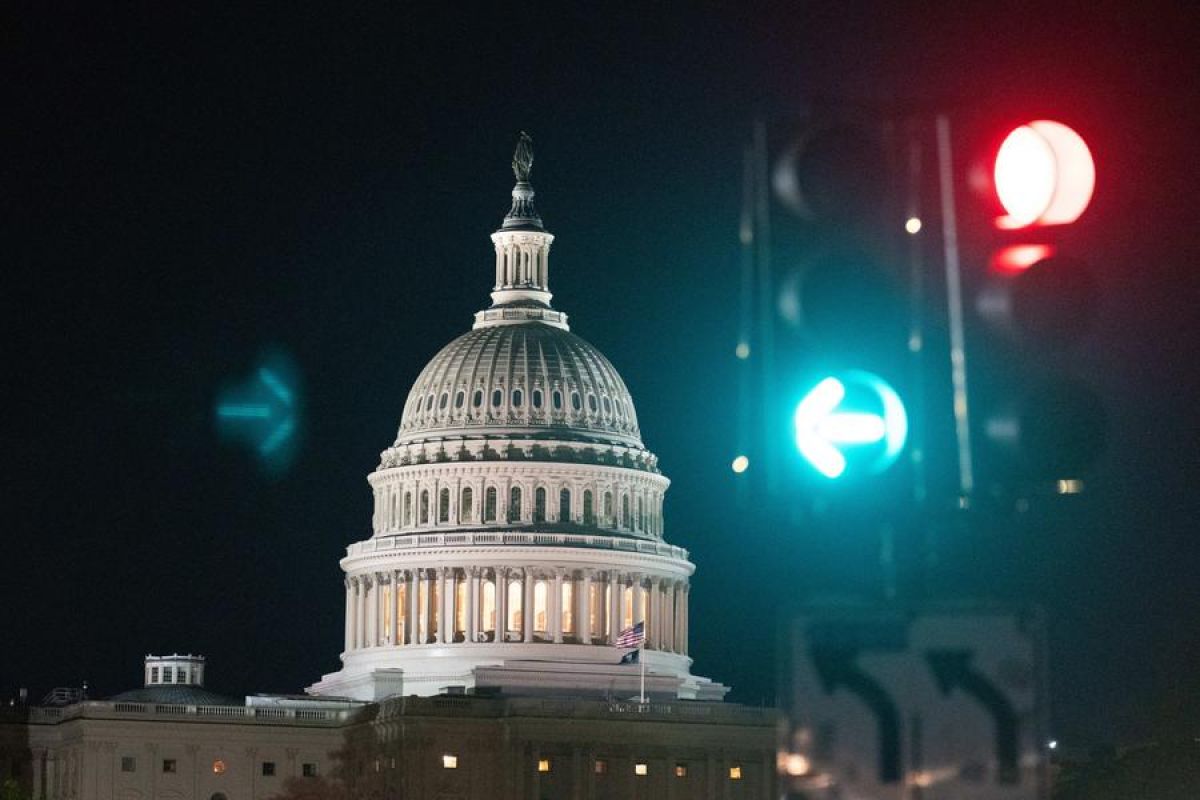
{"x": 428, "y": 616}
{"x": 446, "y": 601}
{"x": 639, "y": 613}
{"x": 687, "y": 590}
{"x": 397, "y": 610}
{"x": 671, "y": 617}
{"x": 349, "y": 614}
{"x": 583, "y": 624}
{"x": 372, "y": 633}
{"x": 411, "y": 626}
{"x": 500, "y": 577}
{"x": 652, "y": 626}
{"x": 527, "y": 607}
{"x": 473, "y": 604}
{"x": 614, "y": 606}
{"x": 556, "y": 608}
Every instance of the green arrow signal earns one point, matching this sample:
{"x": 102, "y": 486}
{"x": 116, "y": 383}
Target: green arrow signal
{"x": 825, "y": 429}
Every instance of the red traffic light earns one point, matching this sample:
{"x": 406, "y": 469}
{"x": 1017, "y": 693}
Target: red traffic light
{"x": 1044, "y": 175}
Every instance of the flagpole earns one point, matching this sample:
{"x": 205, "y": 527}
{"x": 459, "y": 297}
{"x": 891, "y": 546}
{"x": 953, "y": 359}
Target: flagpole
{"x": 642, "y": 661}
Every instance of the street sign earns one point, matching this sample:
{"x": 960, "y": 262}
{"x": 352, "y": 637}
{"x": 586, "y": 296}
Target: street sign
{"x": 262, "y": 412}
{"x": 937, "y": 703}
{"x": 855, "y": 412}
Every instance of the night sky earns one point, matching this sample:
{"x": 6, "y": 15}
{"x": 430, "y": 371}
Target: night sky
{"x": 185, "y": 189}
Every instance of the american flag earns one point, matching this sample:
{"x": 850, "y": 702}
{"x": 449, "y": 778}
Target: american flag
{"x": 632, "y": 637}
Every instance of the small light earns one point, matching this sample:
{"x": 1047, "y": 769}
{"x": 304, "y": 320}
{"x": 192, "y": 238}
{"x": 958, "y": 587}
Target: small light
{"x": 681, "y": 770}
{"x": 913, "y": 225}
{"x": 796, "y": 764}
{"x": 741, "y": 464}
{"x": 742, "y": 351}
{"x": 1052, "y": 744}
{"x": 1069, "y": 486}
{"x": 600, "y": 767}
{"x": 218, "y": 767}
{"x": 449, "y": 761}
{"x": 543, "y": 765}
{"x": 735, "y": 773}
{"x": 640, "y": 768}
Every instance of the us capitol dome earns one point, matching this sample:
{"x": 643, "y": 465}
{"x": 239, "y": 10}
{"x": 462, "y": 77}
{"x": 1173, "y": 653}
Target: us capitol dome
{"x": 518, "y": 516}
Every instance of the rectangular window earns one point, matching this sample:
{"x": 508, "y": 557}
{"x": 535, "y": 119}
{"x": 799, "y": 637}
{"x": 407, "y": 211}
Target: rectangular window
{"x": 735, "y": 773}
{"x": 180, "y": 675}
{"x": 308, "y": 770}
{"x": 154, "y": 674}
{"x": 128, "y": 764}
{"x": 641, "y": 768}
{"x": 681, "y": 770}
{"x": 543, "y": 765}
{"x": 449, "y": 761}
{"x": 600, "y": 767}
{"x": 168, "y": 675}
{"x": 169, "y": 765}
{"x": 268, "y": 769}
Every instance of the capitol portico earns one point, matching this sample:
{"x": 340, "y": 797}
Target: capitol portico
{"x": 518, "y": 517}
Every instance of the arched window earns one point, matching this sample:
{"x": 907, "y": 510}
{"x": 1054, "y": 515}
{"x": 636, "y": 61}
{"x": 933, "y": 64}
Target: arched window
{"x": 589, "y": 513}
{"x": 444, "y": 505}
{"x": 497, "y": 398}
{"x": 568, "y": 607}
{"x": 391, "y": 521}
{"x": 459, "y": 398}
{"x": 429, "y": 402}
{"x": 539, "y": 504}
{"x": 592, "y": 403}
{"x": 489, "y": 504}
{"x": 518, "y": 398}
{"x": 442, "y": 402}
{"x": 557, "y": 400}
{"x": 536, "y": 399}
{"x": 514, "y": 504}
{"x": 487, "y": 612}
{"x": 641, "y": 514}
{"x": 608, "y": 508}
{"x": 576, "y": 403}
{"x": 465, "y": 511}
{"x": 625, "y": 520}
{"x": 477, "y": 398}
{"x": 564, "y": 505}
{"x": 407, "y": 509}
{"x": 607, "y": 406}
{"x": 425, "y": 507}
{"x": 516, "y": 608}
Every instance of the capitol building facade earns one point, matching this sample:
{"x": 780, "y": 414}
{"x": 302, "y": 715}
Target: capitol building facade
{"x": 517, "y": 534}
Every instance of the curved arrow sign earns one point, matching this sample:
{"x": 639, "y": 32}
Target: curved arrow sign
{"x": 952, "y": 669}
{"x": 836, "y": 667}
{"x": 827, "y": 426}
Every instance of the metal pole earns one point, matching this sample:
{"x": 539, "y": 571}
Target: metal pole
{"x": 766, "y": 308}
{"x": 958, "y": 353}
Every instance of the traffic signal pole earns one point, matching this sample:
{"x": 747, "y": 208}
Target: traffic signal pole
{"x": 958, "y": 351}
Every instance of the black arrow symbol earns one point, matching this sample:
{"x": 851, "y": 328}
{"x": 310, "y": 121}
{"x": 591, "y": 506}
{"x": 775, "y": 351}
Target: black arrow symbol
{"x": 952, "y": 668}
{"x": 836, "y": 667}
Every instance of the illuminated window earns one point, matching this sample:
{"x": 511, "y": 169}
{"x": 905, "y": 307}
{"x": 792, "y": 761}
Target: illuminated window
{"x": 169, "y": 765}
{"x": 539, "y": 505}
{"x": 218, "y": 767}
{"x": 308, "y": 770}
{"x": 449, "y": 761}
{"x": 539, "y": 606}
{"x": 568, "y": 607}
{"x": 735, "y": 772}
{"x": 537, "y": 398}
{"x": 489, "y": 504}
{"x": 543, "y": 765}
{"x": 600, "y": 767}
{"x": 128, "y": 764}
{"x": 518, "y": 398}
{"x": 465, "y": 510}
{"x": 444, "y": 505}
{"x": 268, "y": 769}
{"x": 514, "y": 504}
{"x": 681, "y": 770}
{"x": 641, "y": 768}
{"x": 516, "y": 607}
{"x": 564, "y": 506}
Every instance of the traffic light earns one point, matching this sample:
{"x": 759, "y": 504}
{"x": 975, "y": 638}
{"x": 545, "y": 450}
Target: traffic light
{"x": 1038, "y": 425}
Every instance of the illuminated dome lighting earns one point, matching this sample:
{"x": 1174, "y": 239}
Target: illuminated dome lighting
{"x": 518, "y": 517}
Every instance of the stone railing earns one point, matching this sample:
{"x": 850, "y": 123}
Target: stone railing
{"x": 95, "y": 709}
{"x": 679, "y": 711}
{"x": 420, "y": 541}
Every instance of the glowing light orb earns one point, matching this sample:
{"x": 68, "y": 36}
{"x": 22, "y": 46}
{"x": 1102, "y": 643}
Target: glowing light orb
{"x": 741, "y": 464}
{"x": 1044, "y": 175}
{"x": 913, "y": 225}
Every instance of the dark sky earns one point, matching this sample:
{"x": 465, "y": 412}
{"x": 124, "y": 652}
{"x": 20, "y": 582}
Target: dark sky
{"x": 185, "y": 188}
